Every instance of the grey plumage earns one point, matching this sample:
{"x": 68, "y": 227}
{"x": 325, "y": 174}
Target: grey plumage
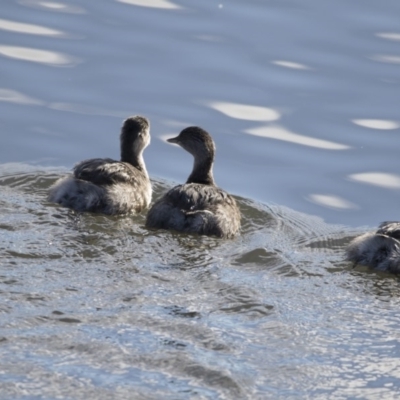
{"x": 198, "y": 206}
{"x": 379, "y": 250}
{"x": 107, "y": 186}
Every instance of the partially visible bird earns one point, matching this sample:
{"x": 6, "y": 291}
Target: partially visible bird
{"x": 378, "y": 250}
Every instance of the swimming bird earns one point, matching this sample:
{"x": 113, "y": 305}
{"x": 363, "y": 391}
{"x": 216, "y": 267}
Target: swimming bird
{"x": 378, "y": 250}
{"x": 198, "y": 206}
{"x": 107, "y": 186}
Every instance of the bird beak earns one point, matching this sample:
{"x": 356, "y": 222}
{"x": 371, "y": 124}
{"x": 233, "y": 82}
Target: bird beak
{"x": 173, "y": 140}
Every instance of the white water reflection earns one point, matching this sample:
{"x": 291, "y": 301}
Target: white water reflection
{"x": 36, "y": 55}
{"x": 390, "y": 181}
{"x": 331, "y": 201}
{"x": 386, "y": 59}
{"x": 290, "y": 64}
{"x": 87, "y": 109}
{"x": 389, "y": 35}
{"x": 152, "y": 4}
{"x": 53, "y": 6}
{"x": 382, "y": 124}
{"x": 13, "y": 96}
{"x": 14, "y": 26}
{"x": 280, "y": 133}
{"x": 245, "y": 111}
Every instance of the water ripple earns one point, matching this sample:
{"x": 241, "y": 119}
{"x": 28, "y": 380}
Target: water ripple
{"x": 245, "y": 111}
{"x": 14, "y": 26}
{"x": 377, "y": 124}
{"x": 111, "y": 309}
{"x": 281, "y": 133}
{"x": 47, "y": 57}
{"x": 54, "y": 6}
{"x": 291, "y": 65}
{"x": 163, "y": 4}
{"x": 382, "y": 179}
{"x": 13, "y": 96}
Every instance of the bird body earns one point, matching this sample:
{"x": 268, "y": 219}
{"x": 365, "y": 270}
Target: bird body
{"x": 107, "y": 186}
{"x": 198, "y": 206}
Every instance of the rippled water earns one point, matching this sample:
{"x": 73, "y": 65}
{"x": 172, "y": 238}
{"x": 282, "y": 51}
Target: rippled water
{"x": 301, "y": 98}
{"x": 99, "y": 307}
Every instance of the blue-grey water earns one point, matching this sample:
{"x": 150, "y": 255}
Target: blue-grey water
{"x": 302, "y": 99}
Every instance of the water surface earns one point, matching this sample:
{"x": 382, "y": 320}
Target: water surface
{"x": 100, "y": 307}
{"x": 301, "y": 98}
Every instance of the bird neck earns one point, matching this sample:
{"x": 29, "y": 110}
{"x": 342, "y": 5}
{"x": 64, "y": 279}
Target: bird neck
{"x": 136, "y": 160}
{"x": 202, "y": 172}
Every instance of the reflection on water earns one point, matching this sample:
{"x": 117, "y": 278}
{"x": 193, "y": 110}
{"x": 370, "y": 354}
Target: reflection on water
{"x": 381, "y": 179}
{"x": 245, "y": 111}
{"x": 14, "y": 26}
{"x": 280, "y": 133}
{"x": 36, "y": 55}
{"x": 164, "y": 4}
{"x": 86, "y": 109}
{"x": 99, "y": 307}
{"x": 53, "y": 6}
{"x": 12, "y": 96}
{"x": 331, "y": 201}
{"x": 290, "y": 64}
{"x": 386, "y": 59}
{"x": 389, "y": 35}
{"x": 377, "y": 124}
